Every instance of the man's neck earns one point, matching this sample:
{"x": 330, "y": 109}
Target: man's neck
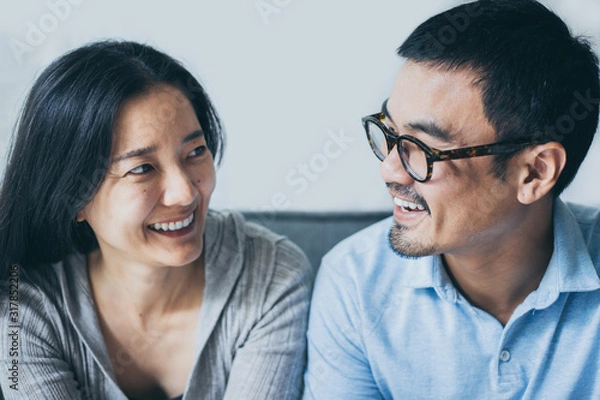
{"x": 498, "y": 279}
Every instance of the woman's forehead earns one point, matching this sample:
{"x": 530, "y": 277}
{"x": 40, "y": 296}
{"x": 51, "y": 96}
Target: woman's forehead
{"x": 163, "y": 110}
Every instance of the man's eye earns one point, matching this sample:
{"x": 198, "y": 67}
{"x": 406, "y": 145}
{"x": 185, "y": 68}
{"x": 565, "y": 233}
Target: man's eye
{"x": 198, "y": 151}
{"x": 142, "y": 169}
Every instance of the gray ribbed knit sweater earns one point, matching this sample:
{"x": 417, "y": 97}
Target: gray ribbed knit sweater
{"x": 250, "y": 342}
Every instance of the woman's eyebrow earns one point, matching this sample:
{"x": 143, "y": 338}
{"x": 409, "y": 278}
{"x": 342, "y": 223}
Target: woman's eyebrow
{"x": 134, "y": 153}
{"x": 151, "y": 149}
{"x": 193, "y": 135}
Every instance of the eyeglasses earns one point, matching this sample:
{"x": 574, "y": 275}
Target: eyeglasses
{"x": 418, "y": 158}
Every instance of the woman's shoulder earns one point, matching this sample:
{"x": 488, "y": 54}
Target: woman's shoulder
{"x": 32, "y": 298}
{"x": 28, "y": 282}
{"x": 269, "y": 268}
{"x": 38, "y": 289}
{"x": 256, "y": 241}
{"x": 236, "y": 232}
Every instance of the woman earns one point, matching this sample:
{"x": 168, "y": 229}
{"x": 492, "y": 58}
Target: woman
{"x": 122, "y": 283}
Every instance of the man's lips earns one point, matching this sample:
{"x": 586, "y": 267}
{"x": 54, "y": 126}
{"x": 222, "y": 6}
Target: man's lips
{"x": 406, "y": 198}
{"x": 407, "y": 205}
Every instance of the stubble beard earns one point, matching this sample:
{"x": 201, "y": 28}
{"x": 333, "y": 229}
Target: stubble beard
{"x": 405, "y": 246}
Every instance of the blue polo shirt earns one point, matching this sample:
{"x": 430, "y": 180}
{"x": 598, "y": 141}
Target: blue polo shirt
{"x": 387, "y": 327}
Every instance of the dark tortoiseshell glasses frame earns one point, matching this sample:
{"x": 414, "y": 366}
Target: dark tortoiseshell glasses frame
{"x": 432, "y": 155}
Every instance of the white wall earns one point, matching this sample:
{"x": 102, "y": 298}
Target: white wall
{"x": 287, "y": 76}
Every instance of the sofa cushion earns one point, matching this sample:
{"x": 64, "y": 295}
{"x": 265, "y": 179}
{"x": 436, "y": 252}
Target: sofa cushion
{"x": 315, "y": 232}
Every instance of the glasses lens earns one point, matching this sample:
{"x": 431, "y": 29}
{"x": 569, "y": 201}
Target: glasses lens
{"x": 414, "y": 159}
{"x": 377, "y": 140}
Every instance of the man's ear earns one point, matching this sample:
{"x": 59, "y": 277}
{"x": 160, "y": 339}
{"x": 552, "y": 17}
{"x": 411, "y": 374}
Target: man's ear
{"x": 541, "y": 165}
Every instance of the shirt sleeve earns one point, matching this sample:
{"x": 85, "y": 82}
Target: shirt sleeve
{"x": 338, "y": 367}
{"x": 31, "y": 346}
{"x": 271, "y": 361}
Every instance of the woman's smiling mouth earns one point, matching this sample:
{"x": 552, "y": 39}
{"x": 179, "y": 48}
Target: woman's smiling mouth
{"x": 173, "y": 225}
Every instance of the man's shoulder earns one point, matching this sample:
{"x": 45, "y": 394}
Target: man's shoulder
{"x": 588, "y": 220}
{"x": 360, "y": 245}
{"x": 366, "y": 260}
{"x": 587, "y": 216}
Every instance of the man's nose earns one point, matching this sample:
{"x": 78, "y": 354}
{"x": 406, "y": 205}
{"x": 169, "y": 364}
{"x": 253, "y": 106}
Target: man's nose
{"x": 392, "y": 169}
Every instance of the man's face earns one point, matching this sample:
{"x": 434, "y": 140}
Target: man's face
{"x": 464, "y": 207}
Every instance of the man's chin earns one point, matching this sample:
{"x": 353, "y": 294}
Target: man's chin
{"x": 407, "y": 247}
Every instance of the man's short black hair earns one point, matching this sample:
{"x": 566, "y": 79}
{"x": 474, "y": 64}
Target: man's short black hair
{"x": 537, "y": 80}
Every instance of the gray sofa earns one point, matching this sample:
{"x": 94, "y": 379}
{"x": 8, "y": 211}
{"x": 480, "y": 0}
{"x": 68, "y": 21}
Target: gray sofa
{"x": 316, "y": 232}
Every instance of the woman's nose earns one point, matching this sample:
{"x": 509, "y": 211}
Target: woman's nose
{"x": 179, "y": 188}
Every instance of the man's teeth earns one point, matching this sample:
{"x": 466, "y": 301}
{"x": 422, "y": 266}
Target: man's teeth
{"x": 174, "y": 226}
{"x": 407, "y": 205}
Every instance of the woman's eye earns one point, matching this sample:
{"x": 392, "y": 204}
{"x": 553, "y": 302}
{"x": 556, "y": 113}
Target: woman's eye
{"x": 142, "y": 169}
{"x": 198, "y": 151}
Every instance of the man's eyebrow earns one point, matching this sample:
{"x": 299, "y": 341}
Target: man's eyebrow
{"x": 428, "y": 127}
{"x": 151, "y": 149}
{"x": 431, "y": 129}
{"x": 385, "y": 111}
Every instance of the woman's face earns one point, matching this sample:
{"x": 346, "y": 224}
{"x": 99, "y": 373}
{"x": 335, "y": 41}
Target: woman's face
{"x": 151, "y": 207}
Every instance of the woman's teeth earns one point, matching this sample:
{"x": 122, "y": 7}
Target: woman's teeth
{"x": 407, "y": 205}
{"x": 174, "y": 226}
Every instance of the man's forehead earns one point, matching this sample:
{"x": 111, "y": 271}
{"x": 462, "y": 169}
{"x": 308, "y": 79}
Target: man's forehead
{"x": 445, "y": 104}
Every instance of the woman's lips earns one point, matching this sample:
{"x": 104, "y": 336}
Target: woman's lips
{"x": 173, "y": 226}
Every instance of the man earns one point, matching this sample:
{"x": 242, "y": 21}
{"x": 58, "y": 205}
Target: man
{"x": 483, "y": 284}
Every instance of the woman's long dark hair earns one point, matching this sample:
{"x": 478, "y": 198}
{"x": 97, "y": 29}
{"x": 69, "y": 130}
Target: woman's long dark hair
{"x": 63, "y": 141}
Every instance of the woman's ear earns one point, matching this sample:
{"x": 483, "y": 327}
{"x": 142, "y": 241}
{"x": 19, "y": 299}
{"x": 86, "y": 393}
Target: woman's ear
{"x": 81, "y": 216}
{"x": 540, "y": 168}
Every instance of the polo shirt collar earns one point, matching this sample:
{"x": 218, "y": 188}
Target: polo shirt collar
{"x": 570, "y": 269}
{"x": 426, "y": 273}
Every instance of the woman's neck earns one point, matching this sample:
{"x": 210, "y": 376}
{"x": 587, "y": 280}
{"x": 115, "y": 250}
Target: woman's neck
{"x": 145, "y": 293}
